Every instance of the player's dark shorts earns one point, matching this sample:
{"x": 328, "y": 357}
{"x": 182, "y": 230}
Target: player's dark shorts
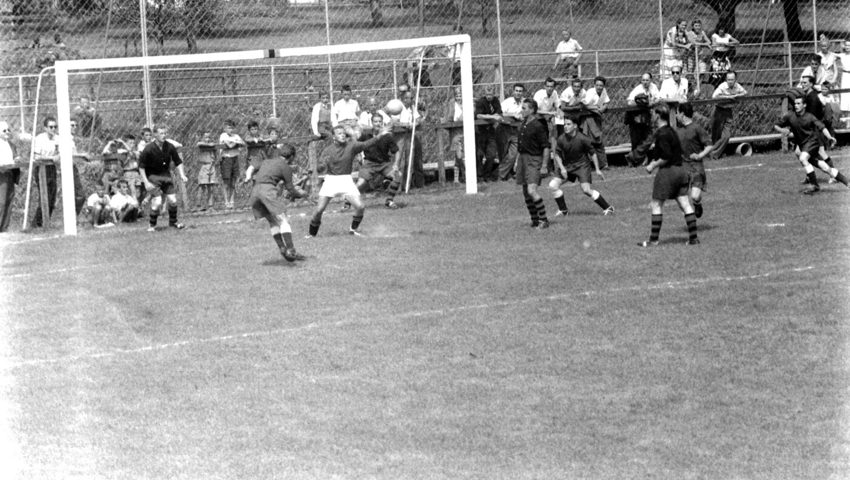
{"x": 696, "y": 172}
{"x": 528, "y": 169}
{"x": 264, "y": 201}
{"x": 670, "y": 183}
{"x": 163, "y": 184}
{"x": 229, "y": 168}
{"x": 580, "y": 172}
{"x": 370, "y": 171}
{"x": 812, "y": 147}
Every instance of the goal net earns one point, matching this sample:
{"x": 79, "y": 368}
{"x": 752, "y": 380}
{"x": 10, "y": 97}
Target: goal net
{"x": 277, "y": 88}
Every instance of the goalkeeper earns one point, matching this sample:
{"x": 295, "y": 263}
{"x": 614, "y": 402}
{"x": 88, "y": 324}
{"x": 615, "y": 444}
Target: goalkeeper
{"x": 266, "y": 203}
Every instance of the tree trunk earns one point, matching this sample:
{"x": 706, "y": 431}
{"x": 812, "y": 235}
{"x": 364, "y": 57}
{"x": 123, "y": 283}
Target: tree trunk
{"x": 377, "y": 16}
{"x": 792, "y": 20}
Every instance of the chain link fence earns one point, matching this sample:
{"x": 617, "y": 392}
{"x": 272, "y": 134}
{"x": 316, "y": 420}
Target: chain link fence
{"x": 513, "y": 41}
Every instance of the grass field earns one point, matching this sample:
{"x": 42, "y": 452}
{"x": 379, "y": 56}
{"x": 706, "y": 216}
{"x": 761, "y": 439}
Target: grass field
{"x": 452, "y": 341}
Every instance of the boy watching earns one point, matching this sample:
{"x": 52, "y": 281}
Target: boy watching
{"x": 231, "y": 144}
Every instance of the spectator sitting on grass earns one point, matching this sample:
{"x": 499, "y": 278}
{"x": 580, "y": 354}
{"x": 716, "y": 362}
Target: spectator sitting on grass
{"x": 124, "y": 206}
{"x": 97, "y": 205}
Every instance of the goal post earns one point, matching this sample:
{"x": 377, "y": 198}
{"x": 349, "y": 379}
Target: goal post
{"x": 64, "y": 68}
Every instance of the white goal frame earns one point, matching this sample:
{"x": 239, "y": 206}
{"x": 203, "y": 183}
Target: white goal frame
{"x": 63, "y": 101}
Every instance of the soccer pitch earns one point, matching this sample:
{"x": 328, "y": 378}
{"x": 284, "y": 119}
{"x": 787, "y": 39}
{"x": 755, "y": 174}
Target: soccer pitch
{"x": 451, "y": 341}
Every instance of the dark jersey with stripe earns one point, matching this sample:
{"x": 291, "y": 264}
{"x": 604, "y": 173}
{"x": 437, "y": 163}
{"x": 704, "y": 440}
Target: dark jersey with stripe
{"x": 339, "y": 158}
{"x": 806, "y": 128}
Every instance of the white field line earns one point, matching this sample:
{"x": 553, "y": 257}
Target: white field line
{"x": 116, "y": 353}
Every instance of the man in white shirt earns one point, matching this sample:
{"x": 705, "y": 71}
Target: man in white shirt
{"x": 346, "y": 111}
{"x": 9, "y": 174}
{"x": 46, "y": 149}
{"x": 548, "y": 108}
{"x": 372, "y": 107}
{"x": 596, "y": 101}
{"x": 675, "y": 88}
{"x": 569, "y": 53}
{"x": 512, "y": 114}
{"x": 721, "y": 122}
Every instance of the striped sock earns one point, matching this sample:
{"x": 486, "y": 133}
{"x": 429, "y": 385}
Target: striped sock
{"x": 656, "y": 228}
{"x": 532, "y": 210}
{"x": 541, "y": 210}
{"x": 153, "y": 218}
{"x": 691, "y": 220}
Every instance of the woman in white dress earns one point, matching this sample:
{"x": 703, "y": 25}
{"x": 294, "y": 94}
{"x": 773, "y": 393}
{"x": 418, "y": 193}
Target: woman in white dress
{"x": 844, "y": 76}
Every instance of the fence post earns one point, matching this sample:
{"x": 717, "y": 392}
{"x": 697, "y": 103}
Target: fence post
{"x": 784, "y": 137}
{"x": 790, "y": 66}
{"x": 21, "y": 98}
{"x": 395, "y": 80}
{"x": 274, "y": 96}
{"x": 596, "y": 61}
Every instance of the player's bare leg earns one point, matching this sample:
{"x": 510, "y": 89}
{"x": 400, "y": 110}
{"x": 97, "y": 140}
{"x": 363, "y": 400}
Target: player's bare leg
{"x": 359, "y": 210}
{"x": 558, "y": 195}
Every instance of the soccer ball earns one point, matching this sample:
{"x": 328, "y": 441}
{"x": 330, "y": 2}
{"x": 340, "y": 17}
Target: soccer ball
{"x": 394, "y": 107}
{"x": 289, "y": 254}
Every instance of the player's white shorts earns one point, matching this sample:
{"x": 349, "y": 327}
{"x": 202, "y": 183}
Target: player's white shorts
{"x": 338, "y": 185}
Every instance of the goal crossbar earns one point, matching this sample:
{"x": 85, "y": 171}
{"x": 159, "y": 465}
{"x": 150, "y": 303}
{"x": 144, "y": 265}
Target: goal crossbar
{"x": 63, "y": 100}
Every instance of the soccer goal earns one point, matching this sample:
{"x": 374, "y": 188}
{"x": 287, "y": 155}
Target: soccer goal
{"x": 193, "y": 93}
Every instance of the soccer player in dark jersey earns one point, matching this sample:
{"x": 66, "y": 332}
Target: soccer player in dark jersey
{"x": 574, "y": 153}
{"x": 809, "y": 134}
{"x": 339, "y": 158}
{"x": 696, "y": 145}
{"x": 154, "y": 164}
{"x": 266, "y": 203}
{"x": 671, "y": 181}
{"x": 532, "y": 147}
{"x": 380, "y": 161}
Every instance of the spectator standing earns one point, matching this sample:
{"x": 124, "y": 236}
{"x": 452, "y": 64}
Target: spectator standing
{"x": 828, "y": 60}
{"x": 207, "y": 177}
{"x": 372, "y": 107}
{"x": 406, "y": 119}
{"x": 675, "y": 46}
{"x": 154, "y": 167}
{"x": 596, "y": 101}
{"x": 675, "y": 88}
{"x": 533, "y": 145}
{"x": 46, "y": 150}
{"x": 10, "y": 173}
{"x": 699, "y": 41}
{"x": 454, "y": 114}
{"x": 721, "y": 122}
{"x": 88, "y": 117}
{"x": 548, "y": 103}
{"x": 231, "y": 144}
{"x": 568, "y": 53}
{"x": 639, "y": 120}
{"x": 488, "y": 137}
{"x": 513, "y": 118}
{"x": 131, "y": 169}
{"x": 843, "y": 69}
{"x": 346, "y": 111}
{"x": 724, "y": 43}
{"x": 256, "y": 148}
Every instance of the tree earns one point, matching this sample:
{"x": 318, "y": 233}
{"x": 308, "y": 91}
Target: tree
{"x": 726, "y": 16}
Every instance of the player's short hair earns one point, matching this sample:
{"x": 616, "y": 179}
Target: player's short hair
{"x": 532, "y": 103}
{"x": 287, "y": 150}
{"x": 345, "y": 88}
{"x": 696, "y": 21}
{"x": 733, "y": 72}
{"x": 229, "y": 123}
{"x": 146, "y": 130}
{"x": 377, "y": 115}
{"x": 686, "y": 109}
{"x": 158, "y": 128}
{"x": 576, "y": 80}
{"x": 123, "y": 182}
{"x": 129, "y": 136}
{"x": 600, "y": 78}
{"x": 815, "y": 58}
{"x": 549, "y": 80}
{"x": 519, "y": 85}
{"x": 48, "y": 120}
{"x": 252, "y": 124}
